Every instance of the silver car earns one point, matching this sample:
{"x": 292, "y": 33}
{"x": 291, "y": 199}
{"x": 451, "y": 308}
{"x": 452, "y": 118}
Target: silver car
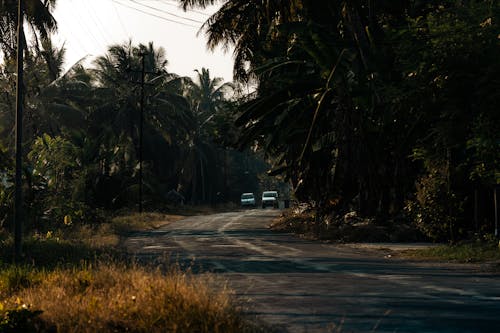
{"x": 247, "y": 200}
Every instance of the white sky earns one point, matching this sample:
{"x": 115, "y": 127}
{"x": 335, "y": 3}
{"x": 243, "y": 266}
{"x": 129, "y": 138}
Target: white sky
{"x": 88, "y": 27}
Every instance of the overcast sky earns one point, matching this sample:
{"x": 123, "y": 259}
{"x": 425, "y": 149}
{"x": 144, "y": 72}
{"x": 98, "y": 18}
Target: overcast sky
{"x": 88, "y": 27}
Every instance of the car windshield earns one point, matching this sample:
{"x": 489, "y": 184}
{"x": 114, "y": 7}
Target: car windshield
{"x": 269, "y": 194}
{"x": 247, "y": 196}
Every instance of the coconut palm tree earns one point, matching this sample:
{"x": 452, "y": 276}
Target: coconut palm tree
{"x": 38, "y": 16}
{"x": 208, "y": 97}
{"x": 315, "y": 106}
{"x": 293, "y": 51}
{"x": 207, "y": 94}
{"x": 248, "y": 26}
{"x": 167, "y": 115}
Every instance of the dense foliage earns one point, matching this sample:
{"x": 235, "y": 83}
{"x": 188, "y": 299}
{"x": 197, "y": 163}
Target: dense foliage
{"x": 387, "y": 109}
{"x": 82, "y": 132}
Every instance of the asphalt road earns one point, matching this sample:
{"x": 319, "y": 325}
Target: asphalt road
{"x": 304, "y": 286}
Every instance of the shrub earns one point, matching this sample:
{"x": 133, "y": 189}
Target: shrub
{"x": 436, "y": 208}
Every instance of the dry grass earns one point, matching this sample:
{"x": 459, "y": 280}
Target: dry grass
{"x": 63, "y": 287}
{"x": 58, "y": 290}
{"x": 126, "y": 223}
{"x": 115, "y": 298}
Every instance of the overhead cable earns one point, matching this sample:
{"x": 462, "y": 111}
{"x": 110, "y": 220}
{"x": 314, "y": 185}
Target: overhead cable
{"x": 154, "y": 15}
{"x": 166, "y": 12}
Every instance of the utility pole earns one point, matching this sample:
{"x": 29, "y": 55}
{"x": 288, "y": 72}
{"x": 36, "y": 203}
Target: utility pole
{"x": 141, "y": 54}
{"x": 141, "y": 125}
{"x": 18, "y": 203}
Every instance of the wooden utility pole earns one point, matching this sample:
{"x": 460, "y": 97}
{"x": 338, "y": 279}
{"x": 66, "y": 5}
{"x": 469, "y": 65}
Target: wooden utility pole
{"x": 141, "y": 54}
{"x": 18, "y": 204}
{"x": 141, "y": 125}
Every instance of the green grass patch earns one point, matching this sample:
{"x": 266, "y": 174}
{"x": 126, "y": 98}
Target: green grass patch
{"x": 470, "y": 252}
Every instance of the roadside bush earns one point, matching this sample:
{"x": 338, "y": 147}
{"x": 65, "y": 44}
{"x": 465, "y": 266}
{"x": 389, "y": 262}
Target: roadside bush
{"x": 436, "y": 208}
{"x": 345, "y": 228}
{"x": 55, "y": 167}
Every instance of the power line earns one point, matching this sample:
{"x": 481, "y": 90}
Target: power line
{"x": 83, "y": 25}
{"x": 166, "y": 12}
{"x": 189, "y": 10}
{"x": 176, "y": 5}
{"x": 120, "y": 19}
{"x": 101, "y": 33}
{"x": 80, "y": 45}
{"x": 154, "y": 15}
{"x": 100, "y": 27}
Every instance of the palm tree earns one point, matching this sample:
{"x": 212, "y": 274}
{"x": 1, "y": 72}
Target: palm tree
{"x": 207, "y": 94}
{"x": 316, "y": 107}
{"x": 249, "y": 26}
{"x": 38, "y": 17}
{"x": 292, "y": 63}
{"x": 47, "y": 108}
{"x": 167, "y": 115}
{"x": 208, "y": 97}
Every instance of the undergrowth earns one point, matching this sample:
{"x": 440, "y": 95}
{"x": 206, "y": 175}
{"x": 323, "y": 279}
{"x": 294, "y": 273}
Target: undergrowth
{"x": 344, "y": 228}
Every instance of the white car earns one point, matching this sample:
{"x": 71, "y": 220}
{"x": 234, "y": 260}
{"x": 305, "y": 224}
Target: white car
{"x": 247, "y": 199}
{"x": 270, "y": 198}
